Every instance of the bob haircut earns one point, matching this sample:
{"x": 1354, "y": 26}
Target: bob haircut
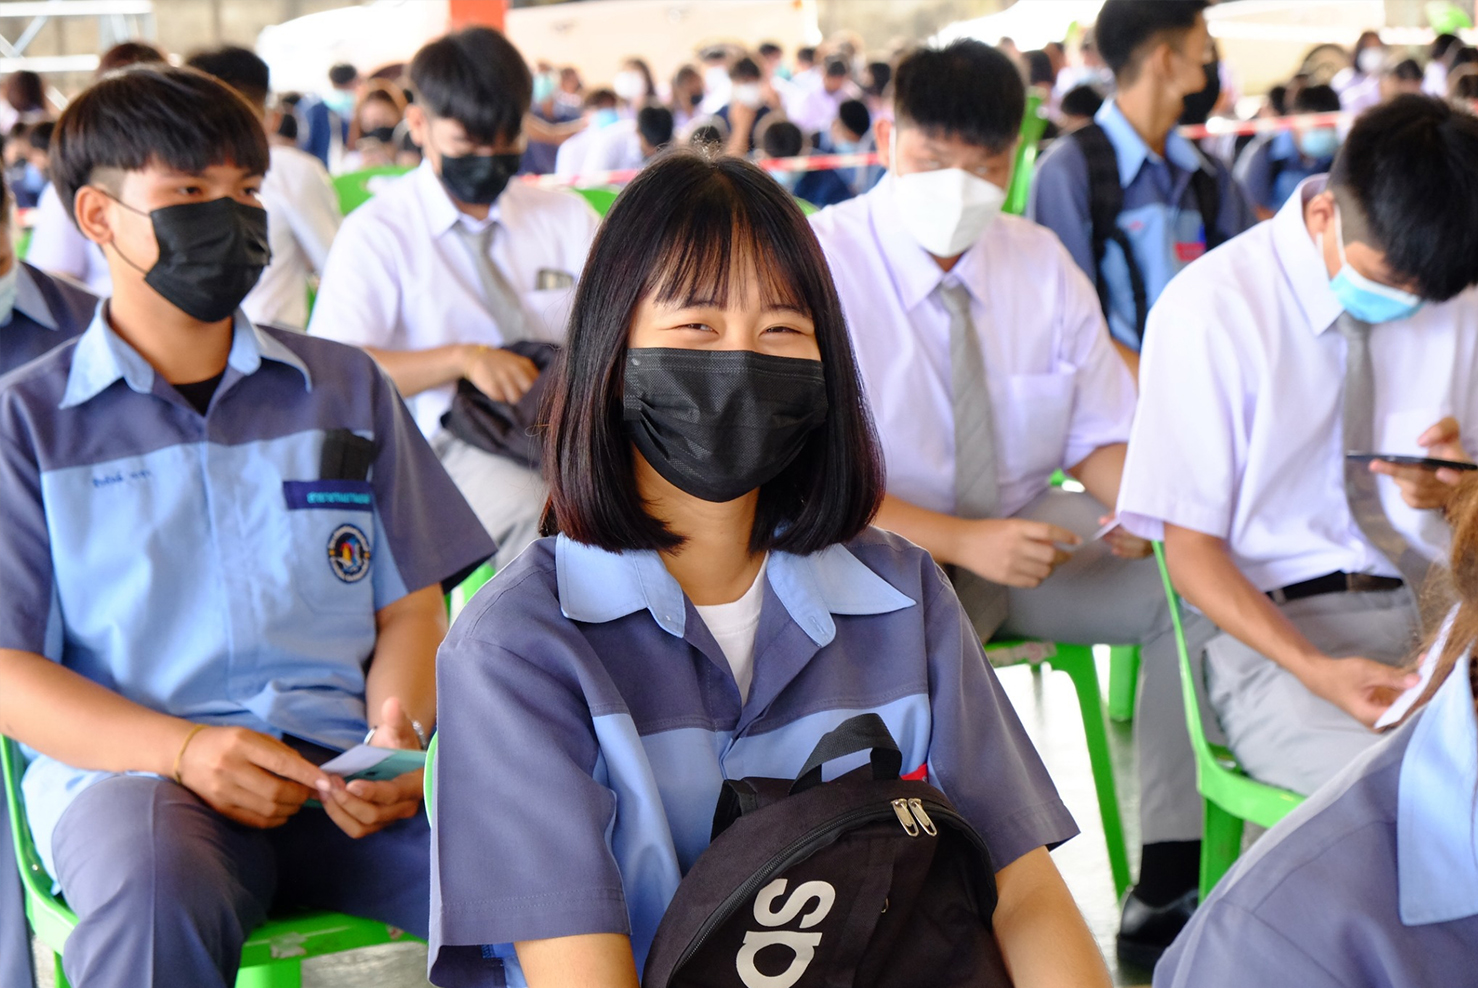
{"x": 683, "y": 232}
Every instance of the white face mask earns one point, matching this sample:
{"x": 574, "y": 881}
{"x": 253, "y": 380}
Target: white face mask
{"x": 945, "y": 210}
{"x": 1371, "y": 59}
{"x": 748, "y": 93}
{"x": 629, "y": 85}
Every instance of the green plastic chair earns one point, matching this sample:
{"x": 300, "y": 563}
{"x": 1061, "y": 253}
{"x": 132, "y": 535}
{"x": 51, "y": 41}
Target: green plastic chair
{"x": 1231, "y": 796}
{"x": 1077, "y": 662}
{"x": 1033, "y": 125}
{"x": 273, "y": 956}
{"x": 462, "y": 593}
{"x": 353, "y": 187}
{"x": 600, "y": 197}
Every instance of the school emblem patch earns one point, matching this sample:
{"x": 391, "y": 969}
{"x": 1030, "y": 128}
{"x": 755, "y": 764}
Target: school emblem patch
{"x": 349, "y": 553}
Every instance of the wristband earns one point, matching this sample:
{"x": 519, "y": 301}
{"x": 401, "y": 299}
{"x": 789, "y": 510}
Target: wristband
{"x": 415, "y": 726}
{"x": 180, "y": 757}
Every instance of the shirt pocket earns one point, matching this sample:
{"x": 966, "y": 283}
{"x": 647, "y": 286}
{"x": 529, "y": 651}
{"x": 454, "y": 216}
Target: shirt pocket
{"x": 548, "y": 312}
{"x": 329, "y": 526}
{"x": 1035, "y": 410}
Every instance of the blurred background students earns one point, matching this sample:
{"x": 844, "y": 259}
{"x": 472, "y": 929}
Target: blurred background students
{"x": 1274, "y": 164}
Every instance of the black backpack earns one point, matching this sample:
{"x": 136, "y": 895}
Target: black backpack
{"x": 868, "y": 881}
{"x": 1106, "y": 202}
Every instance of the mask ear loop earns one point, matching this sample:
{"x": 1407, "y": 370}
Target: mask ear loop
{"x": 131, "y": 209}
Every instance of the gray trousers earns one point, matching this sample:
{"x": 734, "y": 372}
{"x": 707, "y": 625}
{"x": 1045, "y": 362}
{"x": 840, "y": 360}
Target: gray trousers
{"x": 1280, "y": 732}
{"x": 166, "y": 890}
{"x": 1098, "y": 598}
{"x": 507, "y": 497}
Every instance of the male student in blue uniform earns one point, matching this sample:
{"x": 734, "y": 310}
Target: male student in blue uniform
{"x": 225, "y": 551}
{"x": 988, "y": 368}
{"x": 1157, "y": 50}
{"x": 1273, "y": 165}
{"x": 37, "y": 312}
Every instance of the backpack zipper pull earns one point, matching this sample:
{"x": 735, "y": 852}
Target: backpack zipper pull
{"x": 918, "y": 811}
{"x": 900, "y": 809}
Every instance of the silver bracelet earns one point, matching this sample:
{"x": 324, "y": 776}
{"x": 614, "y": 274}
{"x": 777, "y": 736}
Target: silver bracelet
{"x": 415, "y": 726}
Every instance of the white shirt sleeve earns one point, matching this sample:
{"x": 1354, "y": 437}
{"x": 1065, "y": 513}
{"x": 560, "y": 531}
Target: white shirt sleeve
{"x": 57, "y": 245}
{"x": 314, "y": 215}
{"x": 1188, "y": 443}
{"x": 1104, "y": 398}
{"x": 359, "y": 295}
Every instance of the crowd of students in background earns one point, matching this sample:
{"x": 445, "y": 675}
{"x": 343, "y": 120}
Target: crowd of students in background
{"x": 231, "y": 515}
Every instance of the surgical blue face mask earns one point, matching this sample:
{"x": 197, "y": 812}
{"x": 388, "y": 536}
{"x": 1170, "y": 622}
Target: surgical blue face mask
{"x": 9, "y": 283}
{"x": 543, "y": 87}
{"x": 1366, "y": 300}
{"x": 1319, "y": 143}
{"x": 341, "y": 101}
{"x": 604, "y": 118}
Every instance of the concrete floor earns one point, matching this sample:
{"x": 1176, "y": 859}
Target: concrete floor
{"x": 1047, "y": 706}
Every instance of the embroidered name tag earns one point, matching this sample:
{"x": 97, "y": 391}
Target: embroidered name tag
{"x": 328, "y": 495}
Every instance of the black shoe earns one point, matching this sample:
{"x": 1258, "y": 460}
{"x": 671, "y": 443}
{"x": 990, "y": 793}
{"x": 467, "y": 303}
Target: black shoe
{"x": 1146, "y": 931}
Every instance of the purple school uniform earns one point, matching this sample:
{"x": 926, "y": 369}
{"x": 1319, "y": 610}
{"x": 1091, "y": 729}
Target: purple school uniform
{"x": 1371, "y": 883}
{"x": 588, "y": 720}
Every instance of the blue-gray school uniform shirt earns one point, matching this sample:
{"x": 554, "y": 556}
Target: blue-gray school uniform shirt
{"x": 1371, "y": 883}
{"x": 48, "y": 312}
{"x": 1270, "y": 168}
{"x": 200, "y": 565}
{"x": 1160, "y": 216}
{"x": 588, "y": 720}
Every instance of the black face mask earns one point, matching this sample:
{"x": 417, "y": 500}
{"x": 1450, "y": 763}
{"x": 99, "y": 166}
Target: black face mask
{"x": 718, "y": 424}
{"x": 211, "y": 254}
{"x": 478, "y": 179}
{"x": 382, "y": 134}
{"x": 1198, "y": 106}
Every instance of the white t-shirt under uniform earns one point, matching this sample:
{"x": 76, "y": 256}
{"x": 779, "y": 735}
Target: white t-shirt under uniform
{"x": 734, "y": 625}
{"x": 400, "y": 277}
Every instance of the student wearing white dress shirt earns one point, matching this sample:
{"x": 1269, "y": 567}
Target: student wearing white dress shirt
{"x": 302, "y": 207}
{"x": 908, "y": 257}
{"x": 1347, "y": 323}
{"x": 450, "y": 264}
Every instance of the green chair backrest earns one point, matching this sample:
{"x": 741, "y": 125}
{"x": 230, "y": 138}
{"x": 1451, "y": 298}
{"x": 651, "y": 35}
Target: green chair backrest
{"x": 1218, "y": 776}
{"x": 353, "y": 187}
{"x": 600, "y": 197}
{"x": 428, "y": 783}
{"x": 1033, "y": 125}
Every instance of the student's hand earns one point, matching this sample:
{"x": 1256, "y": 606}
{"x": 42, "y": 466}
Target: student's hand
{"x": 1429, "y": 489}
{"x": 1123, "y": 543}
{"x": 248, "y": 777}
{"x": 502, "y": 375}
{"x": 362, "y": 807}
{"x": 1362, "y": 688}
{"x": 1013, "y": 551}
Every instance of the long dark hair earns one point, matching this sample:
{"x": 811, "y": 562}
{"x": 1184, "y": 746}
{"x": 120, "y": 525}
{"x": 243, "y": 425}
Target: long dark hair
{"x": 676, "y": 232}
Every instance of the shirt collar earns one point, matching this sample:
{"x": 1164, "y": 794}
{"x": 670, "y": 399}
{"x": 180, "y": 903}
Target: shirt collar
{"x": 437, "y": 206}
{"x": 1301, "y": 259}
{"x": 914, "y": 271}
{"x": 103, "y": 357}
{"x": 29, "y": 301}
{"x": 1132, "y": 152}
{"x": 1436, "y": 826}
{"x": 596, "y": 586}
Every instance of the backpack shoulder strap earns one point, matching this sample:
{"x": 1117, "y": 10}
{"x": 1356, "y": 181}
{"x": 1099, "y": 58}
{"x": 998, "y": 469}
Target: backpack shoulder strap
{"x": 1206, "y": 186}
{"x": 1105, "y": 203}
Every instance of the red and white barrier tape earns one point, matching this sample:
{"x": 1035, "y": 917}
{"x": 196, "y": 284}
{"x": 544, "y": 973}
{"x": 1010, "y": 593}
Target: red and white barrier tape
{"x": 1220, "y": 126}
{"x": 804, "y": 163}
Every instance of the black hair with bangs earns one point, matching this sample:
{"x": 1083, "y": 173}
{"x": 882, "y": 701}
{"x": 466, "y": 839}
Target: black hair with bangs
{"x": 180, "y": 118}
{"x": 680, "y": 233}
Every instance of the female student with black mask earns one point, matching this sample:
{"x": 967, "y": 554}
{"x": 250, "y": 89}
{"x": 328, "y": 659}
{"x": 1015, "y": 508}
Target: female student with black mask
{"x": 711, "y": 602}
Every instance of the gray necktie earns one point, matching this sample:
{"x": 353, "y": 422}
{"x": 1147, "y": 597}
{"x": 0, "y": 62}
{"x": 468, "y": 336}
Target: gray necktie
{"x": 503, "y": 303}
{"x": 977, "y": 487}
{"x": 1359, "y": 435}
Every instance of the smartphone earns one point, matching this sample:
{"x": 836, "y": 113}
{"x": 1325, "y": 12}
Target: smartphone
{"x": 1420, "y": 462}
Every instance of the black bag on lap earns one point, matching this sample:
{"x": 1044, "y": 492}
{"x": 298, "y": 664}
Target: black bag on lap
{"x": 868, "y": 881}
{"x": 514, "y": 431}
